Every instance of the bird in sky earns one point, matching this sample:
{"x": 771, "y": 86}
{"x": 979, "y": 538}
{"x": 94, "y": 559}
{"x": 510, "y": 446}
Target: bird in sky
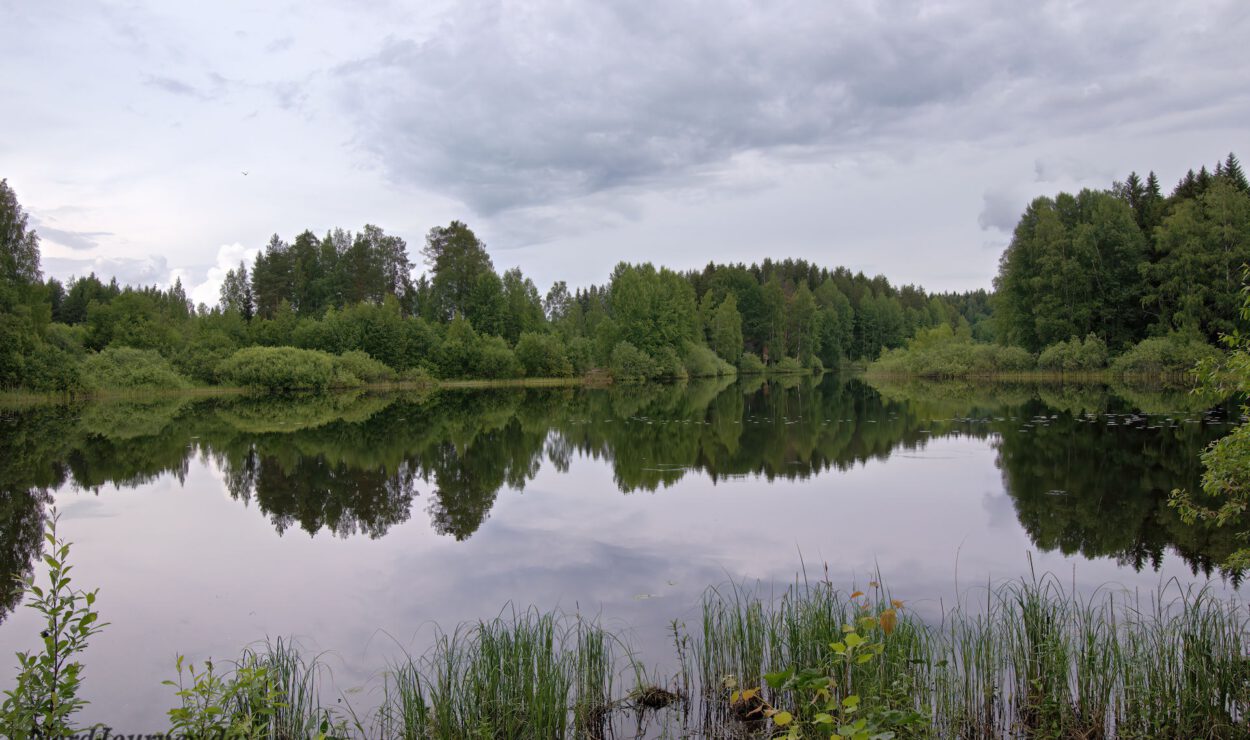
{"x": 245, "y": 173}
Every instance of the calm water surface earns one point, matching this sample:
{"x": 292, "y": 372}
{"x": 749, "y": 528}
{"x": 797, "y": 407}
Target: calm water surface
{"x": 356, "y": 523}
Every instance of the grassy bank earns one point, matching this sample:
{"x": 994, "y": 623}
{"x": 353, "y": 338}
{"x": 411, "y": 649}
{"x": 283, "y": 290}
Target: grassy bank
{"x": 12, "y": 398}
{"x": 1105, "y": 377}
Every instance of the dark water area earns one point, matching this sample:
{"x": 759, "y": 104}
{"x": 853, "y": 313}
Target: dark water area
{"x": 358, "y": 522}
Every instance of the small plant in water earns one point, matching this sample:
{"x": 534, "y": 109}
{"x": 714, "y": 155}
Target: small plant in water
{"x": 46, "y": 695}
{"x": 836, "y": 699}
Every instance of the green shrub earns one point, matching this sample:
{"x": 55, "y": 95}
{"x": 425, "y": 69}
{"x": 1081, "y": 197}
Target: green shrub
{"x": 788, "y": 366}
{"x": 750, "y": 364}
{"x": 1074, "y": 355}
{"x": 51, "y": 368}
{"x": 362, "y": 368}
{"x": 1175, "y": 354}
{"x": 670, "y": 365}
{"x": 201, "y": 355}
{"x": 421, "y": 345}
{"x": 630, "y": 364}
{"x": 458, "y": 355}
{"x": 68, "y": 339}
{"x": 467, "y": 354}
{"x": 542, "y": 356}
{"x": 126, "y": 368}
{"x": 701, "y": 362}
{"x": 495, "y": 360}
{"x": 1012, "y": 359}
{"x": 581, "y": 354}
{"x": 416, "y": 375}
{"x": 940, "y": 353}
{"x": 278, "y": 368}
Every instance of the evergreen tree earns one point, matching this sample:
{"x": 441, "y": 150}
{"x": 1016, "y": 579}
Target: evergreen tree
{"x": 1200, "y": 250}
{"x": 272, "y": 279}
{"x": 1234, "y": 174}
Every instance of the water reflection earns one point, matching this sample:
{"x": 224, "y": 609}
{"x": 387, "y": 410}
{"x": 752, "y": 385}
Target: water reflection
{"x": 1088, "y": 468}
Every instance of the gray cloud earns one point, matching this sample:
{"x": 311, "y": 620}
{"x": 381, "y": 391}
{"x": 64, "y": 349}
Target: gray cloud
{"x": 68, "y": 238}
{"x": 280, "y": 45}
{"x": 77, "y": 240}
{"x": 507, "y": 107}
{"x": 1001, "y": 210}
{"x": 173, "y": 86}
{"x": 1069, "y": 168}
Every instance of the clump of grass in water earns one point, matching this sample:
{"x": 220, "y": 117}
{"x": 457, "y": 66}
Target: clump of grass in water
{"x": 529, "y": 675}
{"x": 745, "y": 638}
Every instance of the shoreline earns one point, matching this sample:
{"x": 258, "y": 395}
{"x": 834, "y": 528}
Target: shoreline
{"x": 20, "y": 398}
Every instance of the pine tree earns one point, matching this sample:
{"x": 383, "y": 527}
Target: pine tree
{"x": 1233, "y": 173}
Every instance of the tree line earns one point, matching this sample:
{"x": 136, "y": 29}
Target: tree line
{"x": 1128, "y": 263}
{"x": 460, "y": 317}
{"x": 1123, "y": 272}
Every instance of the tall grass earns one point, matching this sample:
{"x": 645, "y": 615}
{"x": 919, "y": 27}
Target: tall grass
{"x": 1032, "y": 660}
{"x": 530, "y": 675}
{"x": 1024, "y": 658}
{"x": 298, "y": 712}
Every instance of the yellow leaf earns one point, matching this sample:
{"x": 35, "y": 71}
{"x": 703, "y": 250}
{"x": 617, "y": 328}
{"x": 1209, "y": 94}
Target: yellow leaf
{"x": 889, "y": 619}
{"x": 735, "y": 697}
{"x": 749, "y": 694}
{"x": 857, "y": 594}
{"x": 783, "y": 718}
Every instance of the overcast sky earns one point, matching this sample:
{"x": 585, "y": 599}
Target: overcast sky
{"x": 900, "y": 138}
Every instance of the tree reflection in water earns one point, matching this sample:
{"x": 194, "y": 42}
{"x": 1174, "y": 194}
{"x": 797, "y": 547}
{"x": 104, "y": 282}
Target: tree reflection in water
{"x": 1089, "y": 468}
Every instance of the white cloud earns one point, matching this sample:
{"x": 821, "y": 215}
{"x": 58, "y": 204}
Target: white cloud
{"x": 228, "y": 258}
{"x": 150, "y": 270}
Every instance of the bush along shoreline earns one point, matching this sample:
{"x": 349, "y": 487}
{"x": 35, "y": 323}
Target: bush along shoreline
{"x": 943, "y": 353}
{"x": 122, "y": 370}
{"x": 1024, "y": 658}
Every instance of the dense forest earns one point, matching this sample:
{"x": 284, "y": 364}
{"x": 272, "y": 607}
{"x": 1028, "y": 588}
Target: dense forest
{"x": 1123, "y": 273}
{"x": 345, "y": 294}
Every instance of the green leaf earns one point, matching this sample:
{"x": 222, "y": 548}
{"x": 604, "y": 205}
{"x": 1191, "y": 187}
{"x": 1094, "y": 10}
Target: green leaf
{"x": 782, "y": 718}
{"x": 778, "y": 679}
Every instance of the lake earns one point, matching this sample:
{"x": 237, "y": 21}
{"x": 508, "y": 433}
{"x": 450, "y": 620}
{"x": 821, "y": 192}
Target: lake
{"x": 356, "y": 523}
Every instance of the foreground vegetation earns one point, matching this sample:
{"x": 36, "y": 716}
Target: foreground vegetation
{"x": 1021, "y": 658}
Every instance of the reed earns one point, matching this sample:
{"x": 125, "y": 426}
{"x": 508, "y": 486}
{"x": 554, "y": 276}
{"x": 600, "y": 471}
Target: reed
{"x": 530, "y": 674}
{"x": 1032, "y": 659}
